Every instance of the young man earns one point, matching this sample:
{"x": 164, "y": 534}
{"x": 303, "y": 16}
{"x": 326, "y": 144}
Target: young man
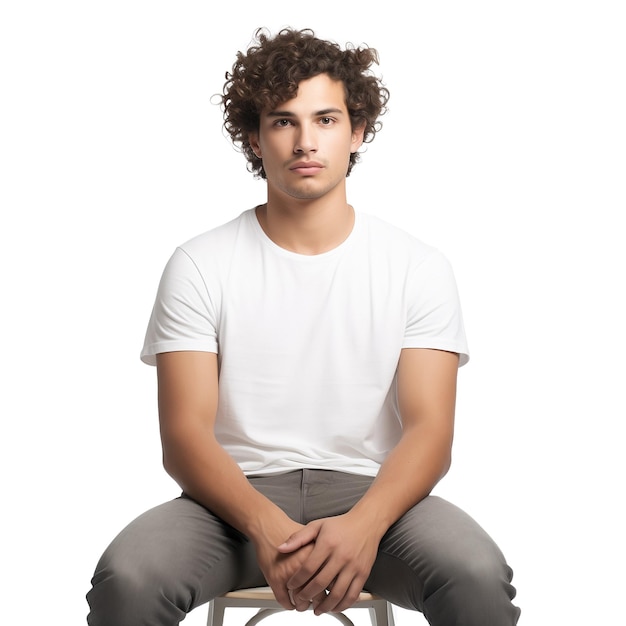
{"x": 307, "y": 357}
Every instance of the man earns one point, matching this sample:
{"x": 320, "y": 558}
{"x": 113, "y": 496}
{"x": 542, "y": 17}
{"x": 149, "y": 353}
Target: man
{"x": 307, "y": 357}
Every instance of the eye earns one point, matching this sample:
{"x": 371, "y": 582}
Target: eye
{"x": 282, "y": 123}
{"x": 326, "y": 121}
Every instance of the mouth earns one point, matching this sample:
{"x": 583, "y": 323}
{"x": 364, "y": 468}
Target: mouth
{"x": 306, "y": 168}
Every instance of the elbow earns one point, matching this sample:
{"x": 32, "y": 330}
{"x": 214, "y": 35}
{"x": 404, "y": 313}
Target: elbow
{"x": 171, "y": 460}
{"x": 169, "y": 465}
{"x": 177, "y": 471}
{"x": 446, "y": 452}
{"x": 445, "y": 460}
{"x": 447, "y": 464}
{"x": 186, "y": 454}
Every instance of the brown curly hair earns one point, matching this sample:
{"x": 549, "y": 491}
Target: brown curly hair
{"x": 272, "y": 68}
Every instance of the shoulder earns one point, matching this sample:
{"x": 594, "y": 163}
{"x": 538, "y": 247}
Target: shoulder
{"x": 218, "y": 239}
{"x": 396, "y": 243}
{"x": 207, "y": 256}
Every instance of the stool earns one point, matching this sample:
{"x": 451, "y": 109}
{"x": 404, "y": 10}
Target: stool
{"x": 381, "y": 613}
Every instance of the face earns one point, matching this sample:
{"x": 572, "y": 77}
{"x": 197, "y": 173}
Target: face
{"x": 305, "y": 143}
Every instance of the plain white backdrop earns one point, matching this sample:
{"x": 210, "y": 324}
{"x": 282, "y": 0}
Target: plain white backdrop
{"x": 504, "y": 146}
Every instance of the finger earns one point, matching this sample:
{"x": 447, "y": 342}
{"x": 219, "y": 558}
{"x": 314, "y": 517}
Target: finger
{"x": 343, "y": 595}
{"x": 300, "y": 603}
{"x": 309, "y": 572}
{"x": 283, "y": 597}
{"x": 310, "y": 568}
{"x": 318, "y": 599}
{"x": 304, "y": 536}
{"x": 350, "y": 597}
{"x": 318, "y": 586}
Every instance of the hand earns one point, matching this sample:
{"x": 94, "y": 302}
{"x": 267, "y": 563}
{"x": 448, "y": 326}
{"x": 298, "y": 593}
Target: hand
{"x": 279, "y": 566}
{"x": 340, "y": 553}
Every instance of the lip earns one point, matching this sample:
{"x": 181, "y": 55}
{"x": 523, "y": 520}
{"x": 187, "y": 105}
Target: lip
{"x": 306, "y": 167}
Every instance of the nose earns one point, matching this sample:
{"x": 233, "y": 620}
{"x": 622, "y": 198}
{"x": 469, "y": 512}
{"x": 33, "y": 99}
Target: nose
{"x": 306, "y": 139}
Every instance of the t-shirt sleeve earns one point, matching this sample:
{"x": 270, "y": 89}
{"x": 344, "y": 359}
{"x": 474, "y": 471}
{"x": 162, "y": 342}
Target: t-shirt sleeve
{"x": 183, "y": 316}
{"x": 434, "y": 317}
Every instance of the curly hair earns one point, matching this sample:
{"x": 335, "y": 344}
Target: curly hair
{"x": 272, "y": 68}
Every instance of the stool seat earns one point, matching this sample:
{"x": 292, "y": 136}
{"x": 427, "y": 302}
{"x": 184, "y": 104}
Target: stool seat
{"x": 263, "y": 598}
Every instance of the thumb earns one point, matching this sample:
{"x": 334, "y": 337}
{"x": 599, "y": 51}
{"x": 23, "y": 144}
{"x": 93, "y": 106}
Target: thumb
{"x": 300, "y": 538}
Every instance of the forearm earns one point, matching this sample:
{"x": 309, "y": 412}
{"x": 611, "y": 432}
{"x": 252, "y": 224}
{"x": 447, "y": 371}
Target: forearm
{"x": 188, "y": 399}
{"x": 412, "y": 469}
{"x": 208, "y": 474}
{"x": 426, "y": 389}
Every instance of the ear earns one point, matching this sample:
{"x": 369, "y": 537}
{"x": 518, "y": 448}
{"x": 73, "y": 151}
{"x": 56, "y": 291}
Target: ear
{"x": 253, "y": 140}
{"x": 357, "y": 137}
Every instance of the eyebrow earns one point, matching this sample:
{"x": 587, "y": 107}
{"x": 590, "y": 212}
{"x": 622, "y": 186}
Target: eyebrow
{"x": 316, "y": 114}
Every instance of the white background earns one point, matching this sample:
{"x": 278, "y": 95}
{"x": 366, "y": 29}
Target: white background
{"x": 504, "y": 146}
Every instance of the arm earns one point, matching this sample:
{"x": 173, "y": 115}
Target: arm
{"x": 188, "y": 394}
{"x": 346, "y": 546}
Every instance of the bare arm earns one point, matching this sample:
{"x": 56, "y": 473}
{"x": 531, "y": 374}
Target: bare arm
{"x": 427, "y": 398}
{"x": 188, "y": 395}
{"x": 346, "y": 546}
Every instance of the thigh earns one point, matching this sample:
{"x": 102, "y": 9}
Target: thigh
{"x": 433, "y": 546}
{"x": 181, "y": 551}
{"x": 178, "y": 549}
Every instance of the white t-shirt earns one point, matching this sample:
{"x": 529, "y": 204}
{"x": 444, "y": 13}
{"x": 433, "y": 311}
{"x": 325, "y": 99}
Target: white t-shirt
{"x": 308, "y": 345}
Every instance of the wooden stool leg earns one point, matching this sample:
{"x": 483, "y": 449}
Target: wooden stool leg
{"x": 216, "y": 613}
{"x": 381, "y": 614}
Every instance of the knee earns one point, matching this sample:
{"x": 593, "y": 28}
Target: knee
{"x": 479, "y": 587}
{"x": 485, "y": 570}
{"x": 127, "y": 593}
{"x": 115, "y": 598}
{"x": 481, "y": 556}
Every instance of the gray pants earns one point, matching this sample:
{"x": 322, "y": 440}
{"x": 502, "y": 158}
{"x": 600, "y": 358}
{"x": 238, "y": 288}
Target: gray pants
{"x": 179, "y": 555}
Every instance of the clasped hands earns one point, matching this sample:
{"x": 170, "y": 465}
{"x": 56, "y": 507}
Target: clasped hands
{"x": 323, "y": 564}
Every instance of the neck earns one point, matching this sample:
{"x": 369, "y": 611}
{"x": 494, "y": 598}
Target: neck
{"x": 306, "y": 227}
